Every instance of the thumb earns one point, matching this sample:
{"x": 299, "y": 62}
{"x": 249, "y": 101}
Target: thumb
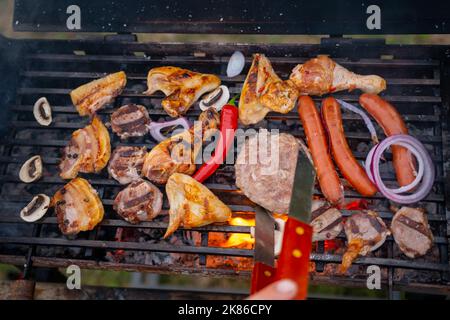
{"x": 280, "y": 290}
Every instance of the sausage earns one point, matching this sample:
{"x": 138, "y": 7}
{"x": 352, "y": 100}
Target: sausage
{"x": 343, "y": 156}
{"x": 317, "y": 142}
{"x": 392, "y": 123}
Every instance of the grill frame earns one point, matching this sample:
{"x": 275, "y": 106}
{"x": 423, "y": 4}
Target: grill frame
{"x": 181, "y": 53}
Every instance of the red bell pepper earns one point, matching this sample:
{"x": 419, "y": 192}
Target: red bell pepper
{"x": 228, "y": 125}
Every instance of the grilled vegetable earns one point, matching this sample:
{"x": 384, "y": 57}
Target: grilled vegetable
{"x": 94, "y": 95}
{"x": 182, "y": 87}
{"x": 31, "y": 170}
{"x": 216, "y": 99}
{"x": 36, "y": 209}
{"x": 228, "y": 125}
{"x": 192, "y": 204}
{"x": 42, "y": 112}
{"x": 77, "y": 206}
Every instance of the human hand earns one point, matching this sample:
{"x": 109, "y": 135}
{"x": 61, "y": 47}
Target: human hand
{"x": 284, "y": 289}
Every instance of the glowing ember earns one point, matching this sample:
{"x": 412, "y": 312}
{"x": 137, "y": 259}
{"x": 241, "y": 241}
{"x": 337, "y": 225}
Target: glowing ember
{"x": 240, "y": 239}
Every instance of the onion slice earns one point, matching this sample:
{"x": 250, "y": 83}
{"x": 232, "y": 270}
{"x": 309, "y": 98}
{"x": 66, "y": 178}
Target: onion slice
{"x": 364, "y": 116}
{"x": 155, "y": 127}
{"x": 425, "y": 176}
{"x": 235, "y": 64}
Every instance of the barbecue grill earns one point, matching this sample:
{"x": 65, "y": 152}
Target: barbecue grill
{"x": 418, "y": 80}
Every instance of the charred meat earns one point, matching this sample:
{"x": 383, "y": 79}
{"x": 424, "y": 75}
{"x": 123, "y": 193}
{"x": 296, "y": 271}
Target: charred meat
{"x": 130, "y": 120}
{"x": 94, "y": 95}
{"x": 139, "y": 201}
{"x": 126, "y": 163}
{"x": 411, "y": 232}
{"x": 267, "y": 160}
{"x": 77, "y": 206}
{"x": 192, "y": 204}
{"x": 177, "y": 153}
{"x": 182, "y": 87}
{"x": 326, "y": 223}
{"x": 365, "y": 232}
{"x": 88, "y": 151}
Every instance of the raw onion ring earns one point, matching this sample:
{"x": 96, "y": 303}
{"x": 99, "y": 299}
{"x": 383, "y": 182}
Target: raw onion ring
{"x": 425, "y": 176}
{"x": 155, "y": 127}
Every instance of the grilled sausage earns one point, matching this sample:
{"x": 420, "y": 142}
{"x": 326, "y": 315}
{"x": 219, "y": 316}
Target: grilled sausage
{"x": 317, "y": 142}
{"x": 343, "y": 157}
{"x": 392, "y": 123}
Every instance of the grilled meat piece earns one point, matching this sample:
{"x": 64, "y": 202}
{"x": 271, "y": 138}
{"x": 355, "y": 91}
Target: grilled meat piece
{"x": 365, "y": 232}
{"x": 259, "y": 169}
{"x": 92, "y": 96}
{"x": 182, "y": 87}
{"x": 130, "y": 120}
{"x": 88, "y": 151}
{"x": 192, "y": 204}
{"x": 126, "y": 163}
{"x": 326, "y": 223}
{"x": 264, "y": 91}
{"x": 139, "y": 201}
{"x": 178, "y": 153}
{"x": 411, "y": 232}
{"x": 322, "y": 75}
{"x": 77, "y": 206}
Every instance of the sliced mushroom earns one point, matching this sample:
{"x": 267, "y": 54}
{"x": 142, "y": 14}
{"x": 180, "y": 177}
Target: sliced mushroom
{"x": 31, "y": 170}
{"x": 42, "y": 111}
{"x": 36, "y": 209}
{"x": 326, "y": 223}
{"x": 216, "y": 99}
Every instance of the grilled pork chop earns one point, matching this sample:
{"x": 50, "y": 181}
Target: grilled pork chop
{"x": 365, "y": 232}
{"x": 126, "y": 163}
{"x": 130, "y": 120}
{"x": 139, "y": 201}
{"x": 258, "y": 170}
{"x": 411, "y": 231}
{"x": 182, "y": 87}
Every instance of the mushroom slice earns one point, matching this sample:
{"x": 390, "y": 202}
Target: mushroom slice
{"x": 31, "y": 170}
{"x": 36, "y": 209}
{"x": 42, "y": 112}
{"x": 216, "y": 99}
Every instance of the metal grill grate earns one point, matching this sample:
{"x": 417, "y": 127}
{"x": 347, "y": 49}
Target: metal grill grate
{"x": 51, "y": 70}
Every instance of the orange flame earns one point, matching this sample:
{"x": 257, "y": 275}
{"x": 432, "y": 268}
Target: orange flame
{"x": 240, "y": 239}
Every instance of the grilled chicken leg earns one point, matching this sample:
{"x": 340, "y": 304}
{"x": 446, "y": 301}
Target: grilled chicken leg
{"x": 182, "y": 87}
{"x": 322, "y": 75}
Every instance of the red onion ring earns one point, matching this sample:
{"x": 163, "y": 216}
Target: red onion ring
{"x": 424, "y": 178}
{"x": 155, "y": 127}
